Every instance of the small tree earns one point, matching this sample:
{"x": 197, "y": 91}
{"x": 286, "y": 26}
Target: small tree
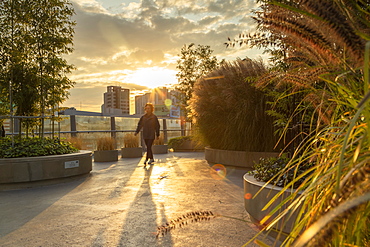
{"x": 194, "y": 63}
{"x": 34, "y": 37}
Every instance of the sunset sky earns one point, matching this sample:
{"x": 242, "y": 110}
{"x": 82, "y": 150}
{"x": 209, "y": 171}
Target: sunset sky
{"x": 135, "y": 44}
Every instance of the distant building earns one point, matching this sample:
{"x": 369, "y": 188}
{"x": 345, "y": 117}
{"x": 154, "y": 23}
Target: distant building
{"x": 116, "y": 101}
{"x": 175, "y": 108}
{"x": 160, "y": 96}
{"x": 140, "y": 101}
{"x": 164, "y": 101}
{"x": 6, "y": 124}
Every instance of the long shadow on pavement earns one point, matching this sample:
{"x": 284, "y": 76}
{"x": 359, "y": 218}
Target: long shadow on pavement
{"x": 139, "y": 227}
{"x": 17, "y": 207}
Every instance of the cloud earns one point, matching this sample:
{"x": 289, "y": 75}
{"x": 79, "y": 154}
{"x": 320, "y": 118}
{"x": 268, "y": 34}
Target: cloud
{"x": 114, "y": 40}
{"x": 156, "y": 25}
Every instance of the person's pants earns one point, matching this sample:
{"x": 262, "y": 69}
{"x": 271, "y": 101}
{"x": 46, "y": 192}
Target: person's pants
{"x": 149, "y": 152}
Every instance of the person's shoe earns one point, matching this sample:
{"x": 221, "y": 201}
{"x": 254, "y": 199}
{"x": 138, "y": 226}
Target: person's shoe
{"x": 145, "y": 161}
{"x": 151, "y": 162}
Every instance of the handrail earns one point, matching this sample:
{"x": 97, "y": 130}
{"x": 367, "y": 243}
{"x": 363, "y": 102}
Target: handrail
{"x": 93, "y": 131}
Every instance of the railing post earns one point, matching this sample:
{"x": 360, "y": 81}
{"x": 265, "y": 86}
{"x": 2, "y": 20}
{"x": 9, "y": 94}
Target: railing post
{"x": 113, "y": 127}
{"x": 72, "y": 119}
{"x": 16, "y": 126}
{"x": 165, "y": 135}
{"x": 183, "y": 126}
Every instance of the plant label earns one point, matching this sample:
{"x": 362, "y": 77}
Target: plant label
{"x": 71, "y": 164}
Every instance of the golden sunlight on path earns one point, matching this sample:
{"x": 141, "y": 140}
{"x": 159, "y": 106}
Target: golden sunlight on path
{"x": 121, "y": 204}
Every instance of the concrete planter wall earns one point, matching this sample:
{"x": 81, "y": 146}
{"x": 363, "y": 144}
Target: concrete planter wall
{"x": 255, "y": 205}
{"x": 132, "y": 152}
{"x": 105, "y": 155}
{"x": 160, "y": 149}
{"x": 235, "y": 158}
{"x": 28, "y": 169}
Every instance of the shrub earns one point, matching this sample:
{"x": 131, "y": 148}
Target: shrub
{"x": 106, "y": 143}
{"x": 176, "y": 141}
{"x": 268, "y": 170}
{"x": 31, "y": 147}
{"x": 229, "y": 112}
{"x": 130, "y": 141}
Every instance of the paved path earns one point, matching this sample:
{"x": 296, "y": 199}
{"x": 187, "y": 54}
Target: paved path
{"x": 121, "y": 204}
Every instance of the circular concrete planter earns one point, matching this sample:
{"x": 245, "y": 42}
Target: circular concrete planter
{"x": 28, "y": 169}
{"x": 235, "y": 158}
{"x": 132, "y": 152}
{"x": 255, "y": 205}
{"x": 105, "y": 155}
{"x": 160, "y": 149}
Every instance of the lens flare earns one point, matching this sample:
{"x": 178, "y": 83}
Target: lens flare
{"x": 248, "y": 196}
{"x": 168, "y": 102}
{"x": 218, "y": 172}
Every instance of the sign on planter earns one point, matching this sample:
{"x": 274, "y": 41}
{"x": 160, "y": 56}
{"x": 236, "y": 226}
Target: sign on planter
{"x": 71, "y": 164}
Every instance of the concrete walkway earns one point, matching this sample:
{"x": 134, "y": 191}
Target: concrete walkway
{"x": 121, "y": 204}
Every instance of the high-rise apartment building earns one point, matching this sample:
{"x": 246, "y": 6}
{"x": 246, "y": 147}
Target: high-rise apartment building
{"x": 116, "y": 101}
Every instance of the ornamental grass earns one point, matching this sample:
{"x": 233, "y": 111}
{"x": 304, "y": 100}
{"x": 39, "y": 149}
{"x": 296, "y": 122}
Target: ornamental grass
{"x": 76, "y": 142}
{"x": 159, "y": 140}
{"x": 106, "y": 143}
{"x": 130, "y": 140}
{"x": 229, "y": 112}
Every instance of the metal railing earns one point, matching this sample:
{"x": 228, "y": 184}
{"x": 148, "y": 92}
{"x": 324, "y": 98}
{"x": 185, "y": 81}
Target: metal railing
{"x": 89, "y": 137}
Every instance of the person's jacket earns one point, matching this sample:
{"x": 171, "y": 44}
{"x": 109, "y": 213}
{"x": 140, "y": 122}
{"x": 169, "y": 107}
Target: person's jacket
{"x": 150, "y": 126}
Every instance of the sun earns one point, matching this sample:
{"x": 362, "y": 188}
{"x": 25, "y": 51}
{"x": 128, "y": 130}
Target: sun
{"x": 152, "y": 77}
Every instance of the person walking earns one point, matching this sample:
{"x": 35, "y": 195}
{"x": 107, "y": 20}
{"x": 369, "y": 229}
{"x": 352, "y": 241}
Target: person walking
{"x": 150, "y": 125}
{"x": 2, "y": 131}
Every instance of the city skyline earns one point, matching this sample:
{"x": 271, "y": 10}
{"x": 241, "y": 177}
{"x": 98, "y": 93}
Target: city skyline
{"x": 118, "y": 101}
{"x": 135, "y": 44}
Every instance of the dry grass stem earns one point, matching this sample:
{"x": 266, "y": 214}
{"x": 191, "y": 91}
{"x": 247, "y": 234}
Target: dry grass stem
{"x": 184, "y": 220}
